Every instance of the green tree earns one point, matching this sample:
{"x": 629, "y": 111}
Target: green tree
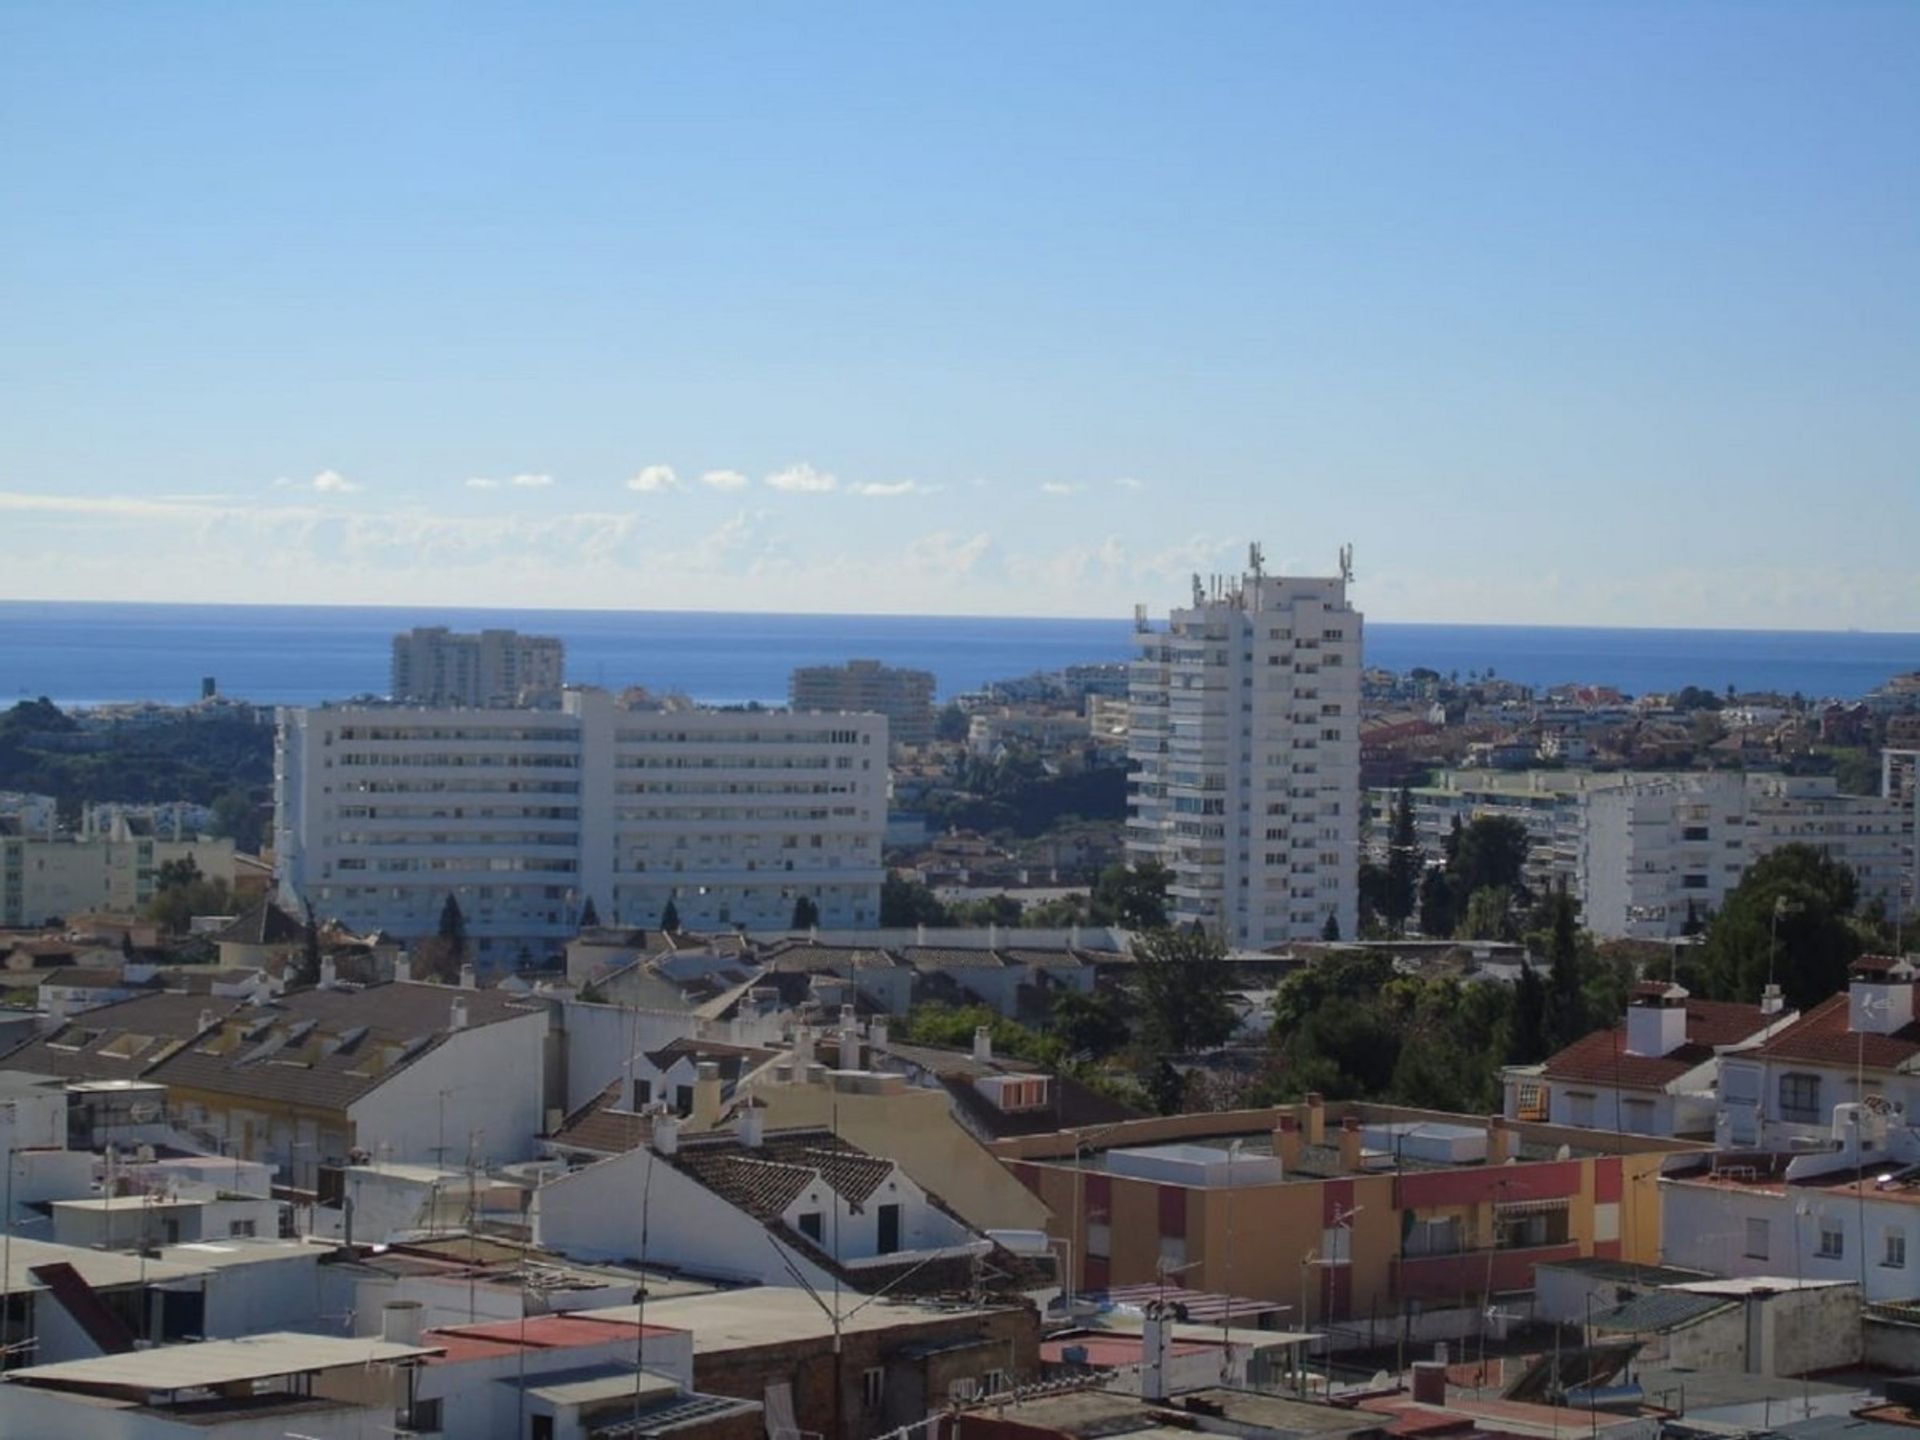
{"x": 237, "y": 818}
{"x": 1331, "y": 930}
{"x": 1183, "y": 987}
{"x": 1566, "y": 1012}
{"x": 182, "y": 892}
{"x": 950, "y": 724}
{"x": 1489, "y": 915}
{"x": 1133, "y": 896}
{"x": 589, "y": 915}
{"x": 176, "y": 874}
{"x": 806, "y": 914}
{"x": 1097, "y": 1025}
{"x": 670, "y": 918}
{"x": 1528, "y": 1040}
{"x": 1491, "y": 855}
{"x": 1404, "y": 863}
{"x": 1437, "y": 905}
{"x": 1808, "y": 899}
{"x": 309, "y": 972}
{"x": 905, "y": 903}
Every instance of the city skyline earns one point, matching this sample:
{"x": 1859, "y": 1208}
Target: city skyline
{"x": 1560, "y": 317}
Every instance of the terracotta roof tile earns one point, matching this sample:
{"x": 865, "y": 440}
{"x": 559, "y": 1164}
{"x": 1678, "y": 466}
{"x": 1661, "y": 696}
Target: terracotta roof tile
{"x": 1602, "y": 1059}
{"x": 1822, "y": 1036}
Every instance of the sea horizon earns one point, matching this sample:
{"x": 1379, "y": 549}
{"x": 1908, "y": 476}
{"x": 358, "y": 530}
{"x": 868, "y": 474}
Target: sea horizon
{"x": 90, "y": 652}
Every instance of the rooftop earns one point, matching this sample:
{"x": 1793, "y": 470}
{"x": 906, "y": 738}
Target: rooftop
{"x": 1824, "y": 1036}
{"x": 210, "y": 1363}
{"x": 781, "y": 1315}
{"x": 1603, "y": 1058}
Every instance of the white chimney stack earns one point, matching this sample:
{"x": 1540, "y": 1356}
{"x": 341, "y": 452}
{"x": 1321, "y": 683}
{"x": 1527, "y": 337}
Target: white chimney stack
{"x": 329, "y": 973}
{"x": 457, "y": 1015}
{"x": 403, "y": 967}
{"x": 666, "y": 1134}
{"x": 1656, "y": 1019}
{"x": 1155, "y": 1336}
{"x": 1772, "y": 1002}
{"x": 877, "y": 1034}
{"x": 753, "y": 1125}
{"x": 802, "y": 1046}
{"x": 467, "y": 980}
{"x": 849, "y": 1039}
{"x": 983, "y": 1044}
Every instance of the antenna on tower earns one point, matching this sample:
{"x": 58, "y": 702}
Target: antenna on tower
{"x": 1346, "y": 563}
{"x": 1140, "y": 617}
{"x": 1256, "y": 560}
{"x": 1199, "y": 591}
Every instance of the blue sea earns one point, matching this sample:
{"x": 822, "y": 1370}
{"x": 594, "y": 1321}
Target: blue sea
{"x": 88, "y": 653}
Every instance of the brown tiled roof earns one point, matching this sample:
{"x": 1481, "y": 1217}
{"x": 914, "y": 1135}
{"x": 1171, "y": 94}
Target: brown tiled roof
{"x": 950, "y": 957}
{"x": 265, "y": 924}
{"x": 121, "y": 1041}
{"x": 599, "y": 1126}
{"x": 327, "y": 1048}
{"x": 765, "y": 1180}
{"x": 1075, "y": 1104}
{"x": 1822, "y": 1037}
{"x": 1061, "y": 959}
{"x": 1602, "y": 1059}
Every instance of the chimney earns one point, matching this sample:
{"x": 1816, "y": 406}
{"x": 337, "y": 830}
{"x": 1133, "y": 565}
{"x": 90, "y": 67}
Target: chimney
{"x": 56, "y": 1005}
{"x": 802, "y": 1047}
{"x": 666, "y": 1134}
{"x": 849, "y": 1039}
{"x": 877, "y": 1034}
{"x": 402, "y": 967}
{"x": 1499, "y": 1140}
{"x": 920, "y": 933}
{"x": 1314, "y": 1122}
{"x": 329, "y": 973}
{"x": 1880, "y": 995}
{"x": 1429, "y": 1382}
{"x": 400, "y": 1322}
{"x": 706, "y": 1093}
{"x": 466, "y": 977}
{"x": 1156, "y": 1335}
{"x": 1656, "y": 1019}
{"x": 457, "y": 1015}
{"x": 1349, "y": 1145}
{"x": 1772, "y": 1002}
{"x": 983, "y": 1044}
{"x": 1286, "y": 1143}
{"x": 753, "y": 1125}
{"x": 207, "y": 1021}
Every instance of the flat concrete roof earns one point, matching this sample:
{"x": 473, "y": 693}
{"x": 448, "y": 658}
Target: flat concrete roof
{"x": 772, "y": 1314}
{"x": 601, "y": 1382}
{"x": 99, "y": 1268}
{"x": 218, "y": 1362}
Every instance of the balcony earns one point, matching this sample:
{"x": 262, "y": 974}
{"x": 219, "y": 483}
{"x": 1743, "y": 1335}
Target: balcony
{"x": 1458, "y": 1276}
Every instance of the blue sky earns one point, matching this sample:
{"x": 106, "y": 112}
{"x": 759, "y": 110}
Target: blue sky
{"x": 1599, "y": 314}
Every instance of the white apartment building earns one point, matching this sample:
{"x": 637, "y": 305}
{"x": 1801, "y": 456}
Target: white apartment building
{"x": 904, "y": 696}
{"x": 435, "y": 666}
{"x": 1245, "y": 737}
{"x": 113, "y": 874}
{"x": 1640, "y": 849}
{"x": 524, "y": 815}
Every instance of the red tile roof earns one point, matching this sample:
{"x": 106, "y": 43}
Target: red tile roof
{"x": 1602, "y": 1059}
{"x": 1822, "y": 1037}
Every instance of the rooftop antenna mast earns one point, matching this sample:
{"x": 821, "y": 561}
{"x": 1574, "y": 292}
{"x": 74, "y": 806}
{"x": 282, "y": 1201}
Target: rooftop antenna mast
{"x": 1257, "y": 560}
{"x": 1346, "y": 563}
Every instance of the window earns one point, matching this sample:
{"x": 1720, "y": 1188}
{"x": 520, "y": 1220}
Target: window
{"x": 683, "y": 1099}
{"x": 993, "y": 1382}
{"x": 810, "y": 1225}
{"x": 873, "y": 1388}
{"x": 1800, "y": 1098}
{"x": 1580, "y": 1107}
{"x": 1639, "y": 1117}
{"x": 240, "y": 1229}
{"x": 1833, "y": 1244}
{"x": 889, "y": 1239}
{"x": 1757, "y": 1239}
{"x": 1894, "y": 1257}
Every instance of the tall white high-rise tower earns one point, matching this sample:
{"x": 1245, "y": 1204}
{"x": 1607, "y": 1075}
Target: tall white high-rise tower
{"x": 1245, "y": 737}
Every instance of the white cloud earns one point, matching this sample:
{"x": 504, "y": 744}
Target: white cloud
{"x": 1059, "y": 487}
{"x": 332, "y": 482}
{"x": 1127, "y": 482}
{"x": 532, "y": 482}
{"x": 481, "y": 482}
{"x": 803, "y": 479}
{"x": 652, "y": 479}
{"x": 724, "y": 480}
{"x": 885, "y": 490}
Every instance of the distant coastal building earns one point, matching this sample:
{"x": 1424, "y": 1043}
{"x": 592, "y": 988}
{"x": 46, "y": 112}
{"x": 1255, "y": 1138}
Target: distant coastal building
{"x": 435, "y": 666}
{"x": 525, "y": 815}
{"x": 107, "y": 871}
{"x": 1245, "y": 736}
{"x": 1642, "y": 850}
{"x": 904, "y": 696}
